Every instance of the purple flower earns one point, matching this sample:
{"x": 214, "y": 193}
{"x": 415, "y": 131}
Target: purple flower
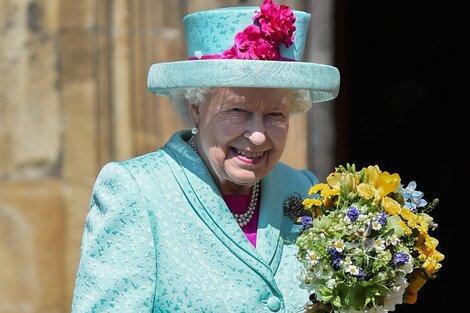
{"x": 353, "y": 213}
{"x": 306, "y": 221}
{"x": 383, "y": 218}
{"x": 400, "y": 258}
{"x": 362, "y": 275}
{"x": 335, "y": 258}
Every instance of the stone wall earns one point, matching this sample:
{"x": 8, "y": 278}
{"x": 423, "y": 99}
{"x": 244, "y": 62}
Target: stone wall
{"x": 73, "y": 96}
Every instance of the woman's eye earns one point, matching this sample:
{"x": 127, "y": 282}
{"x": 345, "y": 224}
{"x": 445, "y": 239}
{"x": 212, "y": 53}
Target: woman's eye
{"x": 238, "y": 110}
{"x": 276, "y": 114}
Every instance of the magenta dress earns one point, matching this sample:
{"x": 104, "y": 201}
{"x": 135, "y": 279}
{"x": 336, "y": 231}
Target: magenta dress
{"x": 238, "y": 204}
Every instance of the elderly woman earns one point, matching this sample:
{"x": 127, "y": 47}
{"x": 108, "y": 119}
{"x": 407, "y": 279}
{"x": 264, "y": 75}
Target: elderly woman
{"x": 198, "y": 225}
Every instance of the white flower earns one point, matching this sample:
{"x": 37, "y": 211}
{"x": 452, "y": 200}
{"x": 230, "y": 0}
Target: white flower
{"x": 338, "y": 245}
{"x": 393, "y": 240}
{"x": 379, "y": 244}
{"x": 408, "y": 267}
{"x": 352, "y": 269}
{"x": 396, "y": 294}
{"x": 331, "y": 283}
{"x": 312, "y": 257}
{"x": 376, "y": 225}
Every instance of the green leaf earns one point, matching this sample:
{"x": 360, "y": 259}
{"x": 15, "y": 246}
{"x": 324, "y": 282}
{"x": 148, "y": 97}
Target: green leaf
{"x": 393, "y": 223}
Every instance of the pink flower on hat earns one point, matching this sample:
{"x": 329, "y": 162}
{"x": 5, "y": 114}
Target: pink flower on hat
{"x": 272, "y": 26}
{"x": 251, "y": 43}
{"x": 276, "y": 22}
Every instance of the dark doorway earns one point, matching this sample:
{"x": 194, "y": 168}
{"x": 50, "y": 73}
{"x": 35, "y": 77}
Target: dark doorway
{"x": 403, "y": 93}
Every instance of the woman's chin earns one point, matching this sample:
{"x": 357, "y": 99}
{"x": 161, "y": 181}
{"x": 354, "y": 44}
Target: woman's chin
{"x": 244, "y": 177}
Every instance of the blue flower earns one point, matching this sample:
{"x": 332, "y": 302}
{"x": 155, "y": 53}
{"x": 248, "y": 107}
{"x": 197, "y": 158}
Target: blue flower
{"x": 352, "y": 213}
{"x": 383, "y": 218}
{"x": 306, "y": 221}
{"x": 413, "y": 198}
{"x": 335, "y": 257}
{"x": 400, "y": 258}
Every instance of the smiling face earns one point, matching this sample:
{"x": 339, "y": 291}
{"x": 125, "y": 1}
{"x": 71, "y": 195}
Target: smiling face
{"x": 242, "y": 134}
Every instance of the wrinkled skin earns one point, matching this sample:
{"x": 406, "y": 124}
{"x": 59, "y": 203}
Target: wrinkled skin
{"x": 242, "y": 134}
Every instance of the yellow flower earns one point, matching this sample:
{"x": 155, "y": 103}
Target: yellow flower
{"x": 344, "y": 181}
{"x": 433, "y": 257}
{"x": 366, "y": 191}
{"x": 325, "y": 196}
{"x": 308, "y": 203}
{"x": 382, "y": 183}
{"x": 407, "y": 214}
{"x": 419, "y": 222}
{"x": 372, "y": 174}
{"x": 421, "y": 225}
{"x": 334, "y": 180}
{"x": 432, "y": 265}
{"x": 316, "y": 188}
{"x": 391, "y": 206}
{"x": 348, "y": 182}
{"x": 387, "y": 183}
{"x": 328, "y": 193}
{"x": 405, "y": 227}
{"x": 411, "y": 218}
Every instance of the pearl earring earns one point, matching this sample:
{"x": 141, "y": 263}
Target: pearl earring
{"x": 194, "y": 130}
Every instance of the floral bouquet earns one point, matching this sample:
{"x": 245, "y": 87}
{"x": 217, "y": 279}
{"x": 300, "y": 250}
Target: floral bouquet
{"x": 365, "y": 246}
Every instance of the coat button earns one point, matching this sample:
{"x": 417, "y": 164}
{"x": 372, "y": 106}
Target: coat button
{"x": 274, "y": 304}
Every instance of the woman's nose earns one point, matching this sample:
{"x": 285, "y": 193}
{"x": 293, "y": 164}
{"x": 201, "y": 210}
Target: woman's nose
{"x": 256, "y": 131}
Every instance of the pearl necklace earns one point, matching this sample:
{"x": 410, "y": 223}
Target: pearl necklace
{"x": 245, "y": 218}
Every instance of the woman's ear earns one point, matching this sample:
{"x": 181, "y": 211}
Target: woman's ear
{"x": 194, "y": 113}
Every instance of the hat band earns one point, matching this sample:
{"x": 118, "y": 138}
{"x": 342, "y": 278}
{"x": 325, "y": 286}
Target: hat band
{"x": 220, "y": 56}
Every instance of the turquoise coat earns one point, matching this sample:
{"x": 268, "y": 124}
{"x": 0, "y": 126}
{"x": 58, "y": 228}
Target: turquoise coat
{"x": 159, "y": 238}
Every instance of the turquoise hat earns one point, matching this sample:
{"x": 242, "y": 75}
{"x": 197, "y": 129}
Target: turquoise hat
{"x": 246, "y": 47}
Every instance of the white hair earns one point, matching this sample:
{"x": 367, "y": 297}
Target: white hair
{"x": 300, "y": 101}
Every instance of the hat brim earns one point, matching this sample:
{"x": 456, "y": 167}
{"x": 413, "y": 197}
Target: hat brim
{"x": 322, "y": 81}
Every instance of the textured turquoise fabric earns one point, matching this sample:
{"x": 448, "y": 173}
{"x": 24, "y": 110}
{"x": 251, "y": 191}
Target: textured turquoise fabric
{"x": 213, "y": 31}
{"x": 159, "y": 238}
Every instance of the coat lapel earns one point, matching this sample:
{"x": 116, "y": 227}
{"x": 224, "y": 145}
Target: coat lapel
{"x": 268, "y": 239}
{"x": 199, "y": 188}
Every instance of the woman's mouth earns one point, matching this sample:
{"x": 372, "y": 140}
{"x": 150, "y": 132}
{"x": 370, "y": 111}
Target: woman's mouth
{"x": 248, "y": 156}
